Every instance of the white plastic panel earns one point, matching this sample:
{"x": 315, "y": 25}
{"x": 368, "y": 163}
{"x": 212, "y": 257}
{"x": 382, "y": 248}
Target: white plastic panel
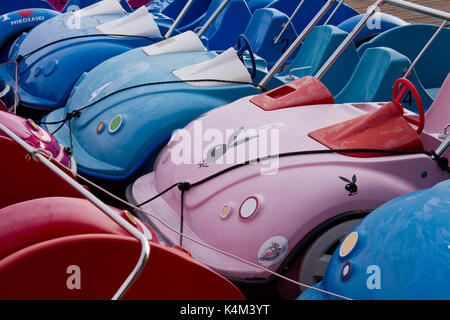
{"x": 102, "y": 7}
{"x": 226, "y": 66}
{"x": 184, "y": 42}
{"x": 138, "y": 23}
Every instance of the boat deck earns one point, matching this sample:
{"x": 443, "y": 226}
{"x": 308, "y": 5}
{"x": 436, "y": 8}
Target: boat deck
{"x": 407, "y": 15}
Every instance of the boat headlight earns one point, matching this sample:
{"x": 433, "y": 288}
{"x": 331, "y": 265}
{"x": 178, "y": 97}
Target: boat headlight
{"x": 348, "y": 244}
{"x": 249, "y": 208}
{"x": 37, "y": 131}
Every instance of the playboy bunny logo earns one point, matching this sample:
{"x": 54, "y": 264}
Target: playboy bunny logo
{"x": 351, "y": 187}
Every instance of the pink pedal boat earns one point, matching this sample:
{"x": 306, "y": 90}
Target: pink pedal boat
{"x": 288, "y": 213}
{"x": 35, "y": 136}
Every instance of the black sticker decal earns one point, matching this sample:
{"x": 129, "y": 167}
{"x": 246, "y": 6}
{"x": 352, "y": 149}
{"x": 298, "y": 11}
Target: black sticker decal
{"x": 351, "y": 186}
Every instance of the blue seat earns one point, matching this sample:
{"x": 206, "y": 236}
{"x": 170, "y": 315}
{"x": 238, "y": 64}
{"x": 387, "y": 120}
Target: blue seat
{"x": 256, "y": 4}
{"x": 309, "y": 9}
{"x": 263, "y": 28}
{"x": 409, "y": 40}
{"x": 234, "y": 20}
{"x": 375, "y": 75}
{"x": 171, "y": 9}
{"x": 315, "y": 51}
{"x": 226, "y": 28}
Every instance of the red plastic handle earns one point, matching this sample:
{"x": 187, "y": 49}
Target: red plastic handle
{"x": 396, "y": 96}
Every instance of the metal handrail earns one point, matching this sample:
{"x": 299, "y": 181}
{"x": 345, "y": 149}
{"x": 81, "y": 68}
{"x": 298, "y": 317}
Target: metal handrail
{"x": 291, "y": 77}
{"x": 334, "y": 12}
{"x": 419, "y": 8}
{"x": 145, "y": 247}
{"x": 286, "y": 25}
{"x": 443, "y": 147}
{"x": 421, "y": 53}
{"x": 337, "y": 53}
{"x": 372, "y": 10}
{"x": 213, "y": 17}
{"x": 179, "y": 18}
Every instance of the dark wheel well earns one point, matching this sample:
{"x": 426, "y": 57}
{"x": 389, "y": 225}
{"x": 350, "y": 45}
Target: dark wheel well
{"x": 267, "y": 288}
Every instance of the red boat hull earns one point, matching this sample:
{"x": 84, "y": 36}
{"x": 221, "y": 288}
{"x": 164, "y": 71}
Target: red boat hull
{"x": 66, "y": 248}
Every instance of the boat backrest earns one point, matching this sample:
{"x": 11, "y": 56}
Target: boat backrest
{"x": 309, "y": 9}
{"x": 263, "y": 28}
{"x": 257, "y": 4}
{"x": 375, "y": 75}
{"x": 226, "y": 28}
{"x": 409, "y": 40}
{"x": 318, "y": 46}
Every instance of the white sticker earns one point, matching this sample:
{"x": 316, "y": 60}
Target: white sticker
{"x": 98, "y": 90}
{"x": 272, "y": 251}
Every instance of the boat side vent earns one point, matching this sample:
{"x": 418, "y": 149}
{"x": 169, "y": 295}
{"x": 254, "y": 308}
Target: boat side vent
{"x": 305, "y": 91}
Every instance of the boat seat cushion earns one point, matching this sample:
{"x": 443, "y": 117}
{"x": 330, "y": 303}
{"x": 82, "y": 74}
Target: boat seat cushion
{"x": 263, "y": 28}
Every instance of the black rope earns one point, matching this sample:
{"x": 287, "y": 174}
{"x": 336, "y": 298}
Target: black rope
{"x": 21, "y": 57}
{"x": 57, "y": 129}
{"x": 309, "y": 152}
{"x": 158, "y": 195}
{"x": 70, "y": 138}
{"x": 442, "y": 162}
{"x": 69, "y": 116}
{"x": 77, "y": 112}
